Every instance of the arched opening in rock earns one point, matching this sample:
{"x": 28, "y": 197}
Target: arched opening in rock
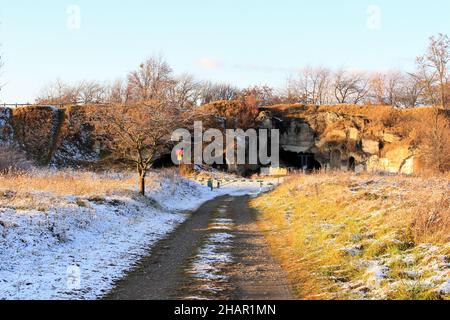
{"x": 351, "y": 164}
{"x": 301, "y": 160}
{"x": 164, "y": 161}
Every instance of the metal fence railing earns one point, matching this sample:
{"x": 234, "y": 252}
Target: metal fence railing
{"x": 16, "y": 105}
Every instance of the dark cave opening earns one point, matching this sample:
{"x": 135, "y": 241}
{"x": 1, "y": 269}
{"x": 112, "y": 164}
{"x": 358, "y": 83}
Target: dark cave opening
{"x": 304, "y": 161}
{"x": 164, "y": 161}
{"x": 352, "y": 164}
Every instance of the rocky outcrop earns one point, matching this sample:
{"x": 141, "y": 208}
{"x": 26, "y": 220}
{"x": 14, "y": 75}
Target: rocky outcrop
{"x": 297, "y": 136}
{"x": 310, "y": 137}
{"x": 370, "y": 146}
{"x": 338, "y": 141}
{"x": 398, "y": 160}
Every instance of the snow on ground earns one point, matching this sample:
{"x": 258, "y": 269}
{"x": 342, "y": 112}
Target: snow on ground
{"x": 191, "y": 194}
{"x": 78, "y": 248}
{"x": 213, "y": 258}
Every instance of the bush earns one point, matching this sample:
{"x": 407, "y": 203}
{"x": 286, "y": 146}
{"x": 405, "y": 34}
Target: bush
{"x": 13, "y": 160}
{"x": 238, "y": 113}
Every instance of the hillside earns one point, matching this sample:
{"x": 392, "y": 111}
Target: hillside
{"x": 348, "y": 137}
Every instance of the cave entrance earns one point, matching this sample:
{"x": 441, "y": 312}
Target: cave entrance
{"x": 164, "y": 161}
{"x": 351, "y": 163}
{"x": 302, "y": 160}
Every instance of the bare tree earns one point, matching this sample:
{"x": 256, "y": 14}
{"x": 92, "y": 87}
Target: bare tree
{"x": 412, "y": 91}
{"x": 211, "y": 92}
{"x": 138, "y": 135}
{"x": 185, "y": 92}
{"x": 350, "y": 87}
{"x": 312, "y": 85}
{"x": 118, "y": 92}
{"x": 84, "y": 92}
{"x": 59, "y": 92}
{"x": 433, "y": 75}
{"x": 260, "y": 96}
{"x": 151, "y": 81}
{"x": 386, "y": 88}
{"x": 434, "y": 68}
{"x": 91, "y": 92}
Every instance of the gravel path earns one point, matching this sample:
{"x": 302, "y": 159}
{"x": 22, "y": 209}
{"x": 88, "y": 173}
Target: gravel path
{"x": 218, "y": 253}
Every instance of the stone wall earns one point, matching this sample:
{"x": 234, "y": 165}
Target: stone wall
{"x": 51, "y": 135}
{"x": 35, "y": 131}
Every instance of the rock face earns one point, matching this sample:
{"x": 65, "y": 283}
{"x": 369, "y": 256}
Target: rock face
{"x": 77, "y": 142}
{"x": 338, "y": 141}
{"x": 398, "y": 160}
{"x": 6, "y": 128}
{"x": 297, "y": 136}
{"x": 370, "y": 146}
{"x": 50, "y": 135}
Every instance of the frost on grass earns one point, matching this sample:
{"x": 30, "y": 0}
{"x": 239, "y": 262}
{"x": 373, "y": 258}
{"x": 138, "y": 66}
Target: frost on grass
{"x": 69, "y": 235}
{"x": 362, "y": 236}
{"x": 101, "y": 240}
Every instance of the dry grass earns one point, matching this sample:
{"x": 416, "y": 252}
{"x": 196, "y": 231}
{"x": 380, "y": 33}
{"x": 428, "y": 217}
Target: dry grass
{"x": 41, "y": 189}
{"x": 374, "y": 112}
{"x": 330, "y": 230}
{"x": 431, "y": 221}
{"x": 68, "y": 183}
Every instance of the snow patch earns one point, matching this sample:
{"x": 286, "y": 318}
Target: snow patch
{"x": 445, "y": 287}
{"x": 79, "y": 247}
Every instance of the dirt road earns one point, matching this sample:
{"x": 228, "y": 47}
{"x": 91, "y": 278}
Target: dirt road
{"x": 218, "y": 253}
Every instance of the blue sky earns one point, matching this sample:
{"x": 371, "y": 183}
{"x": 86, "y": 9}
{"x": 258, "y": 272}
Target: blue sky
{"x": 238, "y": 41}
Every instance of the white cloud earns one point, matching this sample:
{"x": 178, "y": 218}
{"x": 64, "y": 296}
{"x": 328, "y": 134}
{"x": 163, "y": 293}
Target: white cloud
{"x": 209, "y": 64}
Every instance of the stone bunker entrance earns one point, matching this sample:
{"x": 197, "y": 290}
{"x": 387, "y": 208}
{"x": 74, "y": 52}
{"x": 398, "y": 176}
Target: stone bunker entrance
{"x": 351, "y": 164}
{"x": 301, "y": 160}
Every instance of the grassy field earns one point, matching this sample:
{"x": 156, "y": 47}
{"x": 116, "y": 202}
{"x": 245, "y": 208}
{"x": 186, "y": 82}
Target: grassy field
{"x": 341, "y": 236}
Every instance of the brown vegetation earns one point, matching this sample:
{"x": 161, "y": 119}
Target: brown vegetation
{"x": 66, "y": 183}
{"x": 236, "y": 113}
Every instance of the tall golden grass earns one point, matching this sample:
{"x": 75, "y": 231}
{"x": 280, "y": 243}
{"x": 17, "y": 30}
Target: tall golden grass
{"x": 65, "y": 183}
{"x": 321, "y": 227}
